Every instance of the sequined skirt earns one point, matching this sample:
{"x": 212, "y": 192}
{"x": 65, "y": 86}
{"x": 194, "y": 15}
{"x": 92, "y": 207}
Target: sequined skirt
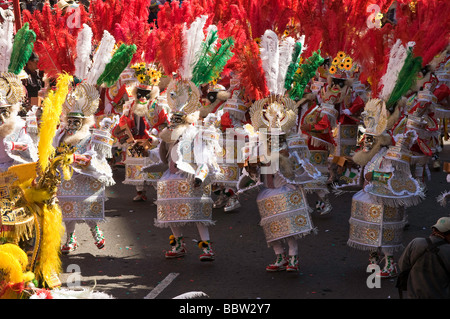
{"x": 82, "y": 197}
{"x": 284, "y": 213}
{"x": 229, "y": 175}
{"x": 133, "y": 173}
{"x": 346, "y": 139}
{"x": 319, "y": 158}
{"x": 179, "y": 202}
{"x": 374, "y": 226}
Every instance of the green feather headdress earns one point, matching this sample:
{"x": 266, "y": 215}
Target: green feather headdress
{"x": 211, "y": 60}
{"x": 22, "y": 49}
{"x": 119, "y": 61}
{"x": 293, "y": 66}
{"x": 304, "y": 74}
{"x": 406, "y": 79}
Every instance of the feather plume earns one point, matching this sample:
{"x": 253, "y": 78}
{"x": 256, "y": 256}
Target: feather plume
{"x": 194, "y": 37}
{"x": 120, "y": 60}
{"x": 250, "y": 71}
{"x": 199, "y": 72}
{"x": 55, "y": 44}
{"x": 101, "y": 57}
{"x": 84, "y": 48}
{"x": 221, "y": 56}
{"x": 6, "y": 43}
{"x": 51, "y": 113}
{"x": 406, "y": 78}
{"x": 286, "y": 48}
{"x": 173, "y": 43}
{"x": 293, "y": 66}
{"x": 426, "y": 23}
{"x": 191, "y": 295}
{"x": 397, "y": 59}
{"x": 269, "y": 52}
{"x": 308, "y": 69}
{"x": 212, "y": 64}
{"x": 22, "y": 49}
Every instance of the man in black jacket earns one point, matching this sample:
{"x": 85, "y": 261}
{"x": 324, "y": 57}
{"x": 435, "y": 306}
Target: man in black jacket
{"x": 429, "y": 276}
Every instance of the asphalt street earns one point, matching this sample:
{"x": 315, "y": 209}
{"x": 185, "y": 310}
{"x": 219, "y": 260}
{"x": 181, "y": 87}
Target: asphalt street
{"x": 132, "y": 264}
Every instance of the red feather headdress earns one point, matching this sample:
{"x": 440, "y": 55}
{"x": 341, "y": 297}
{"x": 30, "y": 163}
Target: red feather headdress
{"x": 56, "y": 39}
{"x": 426, "y": 23}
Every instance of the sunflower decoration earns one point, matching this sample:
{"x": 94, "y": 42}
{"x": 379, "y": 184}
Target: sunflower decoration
{"x": 332, "y": 69}
{"x": 341, "y": 63}
{"x": 146, "y": 75}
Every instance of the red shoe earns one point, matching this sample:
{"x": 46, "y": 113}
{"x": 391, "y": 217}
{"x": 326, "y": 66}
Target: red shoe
{"x": 293, "y": 264}
{"x": 70, "y": 245}
{"x": 178, "y": 248}
{"x": 279, "y": 265}
{"x": 389, "y": 270}
{"x": 99, "y": 237}
{"x": 208, "y": 253}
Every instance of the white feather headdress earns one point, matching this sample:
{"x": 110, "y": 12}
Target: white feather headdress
{"x": 276, "y": 56}
{"x": 84, "y": 48}
{"x": 6, "y": 43}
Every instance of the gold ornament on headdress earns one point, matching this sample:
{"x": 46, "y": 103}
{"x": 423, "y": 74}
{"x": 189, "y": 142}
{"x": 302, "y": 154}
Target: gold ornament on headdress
{"x": 274, "y": 112}
{"x": 183, "y": 96}
{"x": 82, "y": 101}
{"x": 375, "y": 117}
{"x": 11, "y": 88}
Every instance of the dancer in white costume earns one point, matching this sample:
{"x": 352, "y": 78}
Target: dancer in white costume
{"x": 188, "y": 151}
{"x": 16, "y": 145}
{"x": 82, "y": 198}
{"x": 285, "y": 214}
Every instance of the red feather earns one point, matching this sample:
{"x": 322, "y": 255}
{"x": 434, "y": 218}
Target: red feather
{"x": 55, "y": 40}
{"x": 250, "y": 71}
{"x": 427, "y": 24}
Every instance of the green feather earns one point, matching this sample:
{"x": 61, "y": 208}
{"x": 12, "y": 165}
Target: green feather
{"x": 308, "y": 69}
{"x": 204, "y": 58}
{"x": 119, "y": 61}
{"x": 406, "y": 79}
{"x": 22, "y": 49}
{"x": 214, "y": 63}
{"x": 293, "y": 66}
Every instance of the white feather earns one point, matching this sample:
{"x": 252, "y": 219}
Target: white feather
{"x": 194, "y": 37}
{"x": 101, "y": 57}
{"x": 191, "y": 295}
{"x": 6, "y": 43}
{"x": 84, "y": 47}
{"x": 269, "y": 52}
{"x": 286, "y": 48}
{"x": 397, "y": 58}
{"x": 83, "y": 293}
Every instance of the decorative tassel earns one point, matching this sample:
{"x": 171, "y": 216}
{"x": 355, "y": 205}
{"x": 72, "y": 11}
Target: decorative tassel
{"x": 203, "y": 244}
